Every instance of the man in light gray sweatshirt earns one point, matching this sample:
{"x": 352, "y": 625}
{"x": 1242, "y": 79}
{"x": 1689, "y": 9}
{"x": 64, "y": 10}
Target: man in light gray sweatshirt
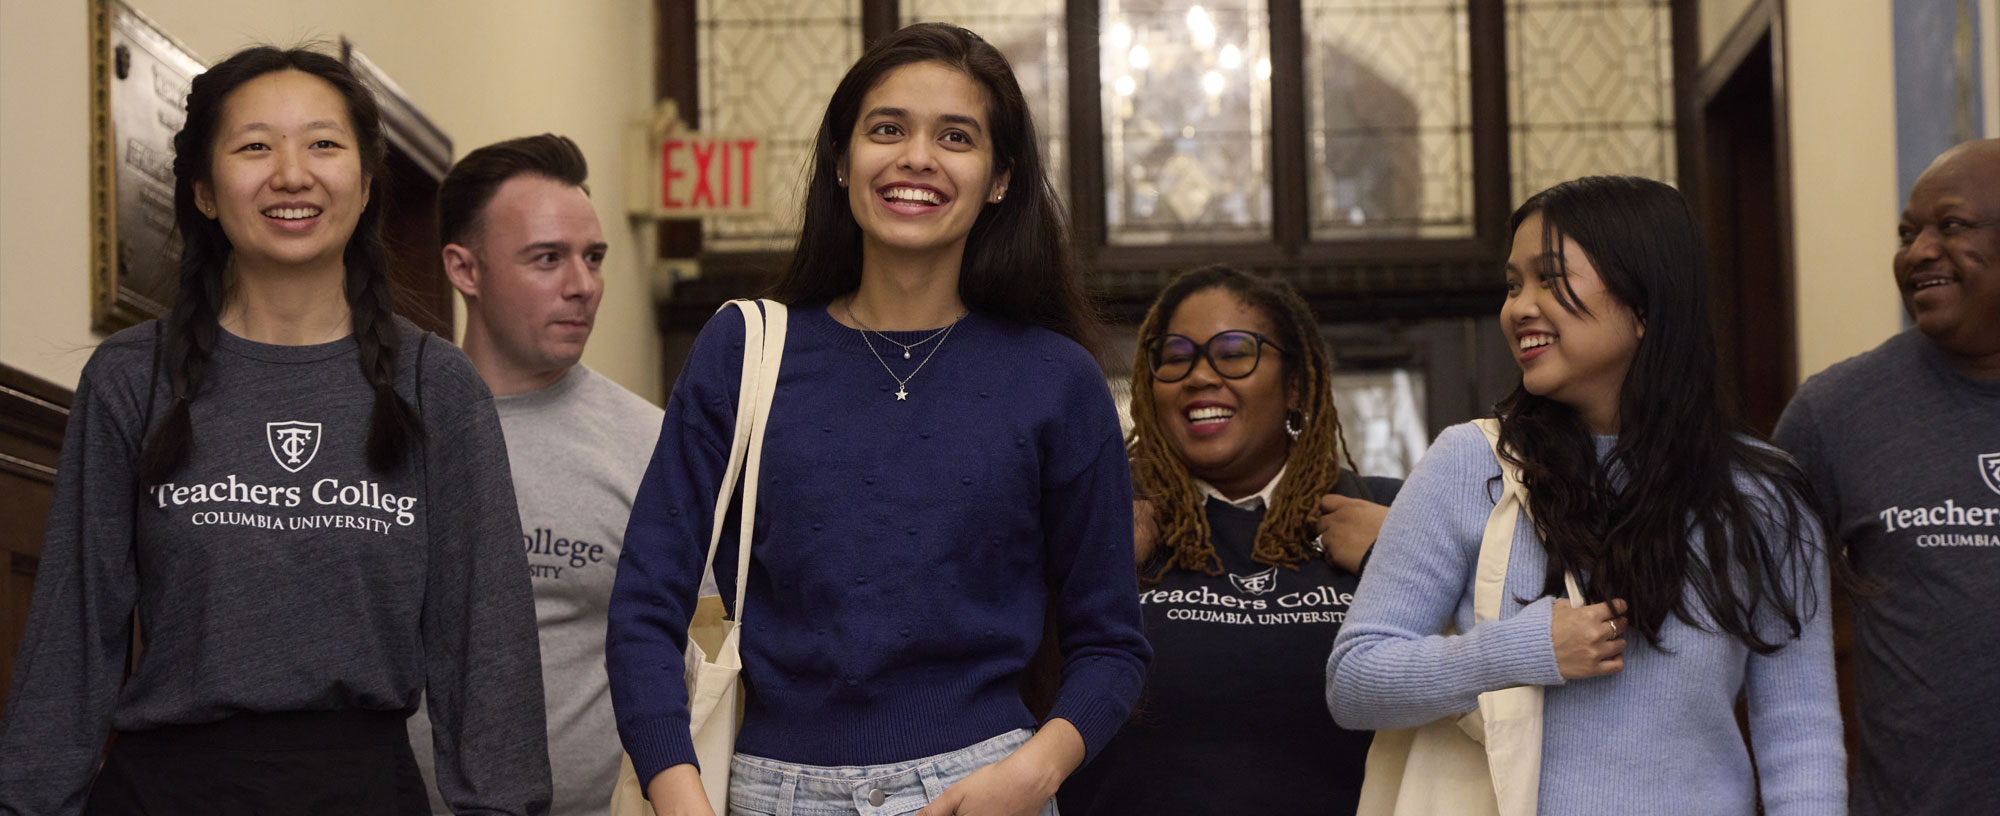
{"x": 523, "y": 246}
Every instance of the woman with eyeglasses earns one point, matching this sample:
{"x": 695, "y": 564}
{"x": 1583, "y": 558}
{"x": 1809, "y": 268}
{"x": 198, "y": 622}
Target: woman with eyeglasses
{"x": 1249, "y": 539}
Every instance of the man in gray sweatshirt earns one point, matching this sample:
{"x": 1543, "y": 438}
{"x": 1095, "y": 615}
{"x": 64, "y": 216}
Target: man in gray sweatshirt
{"x": 523, "y": 246}
{"x": 1902, "y": 444}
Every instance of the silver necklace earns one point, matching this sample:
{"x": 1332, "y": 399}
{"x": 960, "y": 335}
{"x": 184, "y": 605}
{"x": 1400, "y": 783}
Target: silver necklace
{"x": 902, "y": 383}
{"x": 886, "y": 338}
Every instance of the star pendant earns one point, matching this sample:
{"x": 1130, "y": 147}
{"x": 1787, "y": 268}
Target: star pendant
{"x": 901, "y": 394}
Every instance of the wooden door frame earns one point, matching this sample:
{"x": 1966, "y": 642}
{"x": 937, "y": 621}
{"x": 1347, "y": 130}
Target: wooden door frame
{"x": 1763, "y": 20}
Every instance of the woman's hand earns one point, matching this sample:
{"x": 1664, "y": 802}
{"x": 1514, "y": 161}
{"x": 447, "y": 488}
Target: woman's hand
{"x": 1589, "y": 640}
{"x": 677, "y": 791}
{"x": 1145, "y": 531}
{"x": 1020, "y": 784}
{"x": 1347, "y": 527}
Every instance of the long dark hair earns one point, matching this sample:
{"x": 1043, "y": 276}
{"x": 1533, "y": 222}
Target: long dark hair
{"x": 1312, "y": 466}
{"x": 1683, "y": 473}
{"x": 1018, "y": 262}
{"x": 193, "y": 326}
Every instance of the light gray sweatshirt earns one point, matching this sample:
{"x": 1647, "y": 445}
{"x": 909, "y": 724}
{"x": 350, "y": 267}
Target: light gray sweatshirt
{"x": 577, "y": 449}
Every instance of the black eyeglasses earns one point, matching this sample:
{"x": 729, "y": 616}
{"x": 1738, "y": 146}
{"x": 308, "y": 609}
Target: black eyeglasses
{"x": 1233, "y": 354}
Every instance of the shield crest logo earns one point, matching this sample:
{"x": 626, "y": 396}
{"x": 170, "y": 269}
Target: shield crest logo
{"x": 293, "y": 444}
{"x": 1258, "y": 583}
{"x": 1989, "y": 470}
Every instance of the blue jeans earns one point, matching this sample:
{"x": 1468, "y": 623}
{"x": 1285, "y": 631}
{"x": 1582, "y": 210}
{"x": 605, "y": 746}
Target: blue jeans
{"x": 767, "y": 787}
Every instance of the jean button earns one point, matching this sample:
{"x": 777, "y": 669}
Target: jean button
{"x": 875, "y": 797}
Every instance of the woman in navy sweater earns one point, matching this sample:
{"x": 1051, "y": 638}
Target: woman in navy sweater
{"x": 942, "y": 464}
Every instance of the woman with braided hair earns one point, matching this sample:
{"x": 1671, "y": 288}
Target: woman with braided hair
{"x": 309, "y": 548}
{"x": 1249, "y": 538}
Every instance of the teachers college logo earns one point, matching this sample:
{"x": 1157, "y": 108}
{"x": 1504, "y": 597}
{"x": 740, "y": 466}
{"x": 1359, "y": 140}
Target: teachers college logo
{"x": 292, "y": 443}
{"x": 1989, "y": 470}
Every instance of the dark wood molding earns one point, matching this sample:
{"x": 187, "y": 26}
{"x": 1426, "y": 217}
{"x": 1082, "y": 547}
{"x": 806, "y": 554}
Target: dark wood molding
{"x": 1686, "y": 22}
{"x": 1786, "y": 311}
{"x": 1492, "y": 165}
{"x": 33, "y": 408}
{"x": 1762, "y": 22}
{"x": 677, "y": 76}
{"x": 33, "y": 415}
{"x": 1757, "y": 20}
{"x": 879, "y": 18}
{"x": 1289, "y": 124}
{"x": 1086, "y": 127}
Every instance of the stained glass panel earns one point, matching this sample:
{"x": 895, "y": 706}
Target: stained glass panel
{"x": 767, "y": 68}
{"x": 1382, "y": 418}
{"x": 1030, "y": 34}
{"x": 1590, "y": 88}
{"x": 1389, "y": 118}
{"x": 1186, "y": 89}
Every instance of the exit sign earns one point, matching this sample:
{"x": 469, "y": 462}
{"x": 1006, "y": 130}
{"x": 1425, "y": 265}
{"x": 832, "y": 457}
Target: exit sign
{"x": 687, "y": 174}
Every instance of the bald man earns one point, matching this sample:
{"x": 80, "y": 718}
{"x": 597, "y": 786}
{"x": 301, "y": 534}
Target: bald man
{"x": 1902, "y": 444}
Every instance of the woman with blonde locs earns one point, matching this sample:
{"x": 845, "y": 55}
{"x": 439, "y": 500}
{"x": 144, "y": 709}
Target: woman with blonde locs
{"x": 1704, "y": 573}
{"x": 280, "y": 465}
{"x": 942, "y": 465}
{"x": 1249, "y": 540}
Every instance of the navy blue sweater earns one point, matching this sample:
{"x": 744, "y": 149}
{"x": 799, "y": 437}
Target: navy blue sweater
{"x": 904, "y": 549}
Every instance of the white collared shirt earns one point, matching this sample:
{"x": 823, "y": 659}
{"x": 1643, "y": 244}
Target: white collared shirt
{"x": 1255, "y": 501}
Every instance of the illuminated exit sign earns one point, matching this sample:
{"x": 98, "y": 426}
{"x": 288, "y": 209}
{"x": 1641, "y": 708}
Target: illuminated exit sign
{"x": 687, "y": 174}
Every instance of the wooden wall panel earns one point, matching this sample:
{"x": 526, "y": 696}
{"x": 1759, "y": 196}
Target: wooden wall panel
{"x": 33, "y": 414}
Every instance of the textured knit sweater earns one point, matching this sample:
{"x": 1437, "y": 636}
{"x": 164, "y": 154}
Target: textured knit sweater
{"x": 904, "y": 550}
{"x": 1660, "y": 737}
{"x": 276, "y": 572}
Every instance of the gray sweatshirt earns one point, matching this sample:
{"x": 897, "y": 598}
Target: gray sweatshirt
{"x": 276, "y": 572}
{"x": 577, "y": 449}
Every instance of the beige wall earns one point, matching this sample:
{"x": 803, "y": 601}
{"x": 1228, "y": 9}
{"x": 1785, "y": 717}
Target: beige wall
{"x": 483, "y": 70}
{"x": 1842, "y": 105}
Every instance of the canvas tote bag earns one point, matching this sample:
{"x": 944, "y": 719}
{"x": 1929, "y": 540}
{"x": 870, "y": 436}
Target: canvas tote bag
{"x": 1488, "y": 761}
{"x": 714, "y": 649}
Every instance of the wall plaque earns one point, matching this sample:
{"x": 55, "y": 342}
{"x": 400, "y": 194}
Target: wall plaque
{"x": 139, "y": 85}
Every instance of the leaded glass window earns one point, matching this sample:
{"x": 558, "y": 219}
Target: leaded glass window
{"x": 1389, "y": 118}
{"x": 1186, "y": 91}
{"x": 1590, "y": 89}
{"x": 1030, "y": 34}
{"x": 767, "y": 68}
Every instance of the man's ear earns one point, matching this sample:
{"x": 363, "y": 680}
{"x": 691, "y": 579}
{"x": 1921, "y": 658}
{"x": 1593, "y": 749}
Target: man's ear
{"x": 461, "y": 265}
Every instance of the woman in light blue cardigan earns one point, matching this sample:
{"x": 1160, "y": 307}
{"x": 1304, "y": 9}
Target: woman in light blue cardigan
{"x": 1705, "y": 574}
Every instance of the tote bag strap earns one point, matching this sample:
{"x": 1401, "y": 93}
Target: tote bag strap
{"x": 763, "y": 347}
{"x": 1489, "y": 589}
{"x": 772, "y": 352}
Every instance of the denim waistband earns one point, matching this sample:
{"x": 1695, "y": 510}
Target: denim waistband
{"x": 762, "y": 785}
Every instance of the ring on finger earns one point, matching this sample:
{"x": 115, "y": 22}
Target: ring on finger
{"x": 1614, "y": 628}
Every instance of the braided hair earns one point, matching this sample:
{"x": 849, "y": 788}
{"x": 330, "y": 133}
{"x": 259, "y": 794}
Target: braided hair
{"x": 193, "y": 326}
{"x": 1312, "y": 467}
